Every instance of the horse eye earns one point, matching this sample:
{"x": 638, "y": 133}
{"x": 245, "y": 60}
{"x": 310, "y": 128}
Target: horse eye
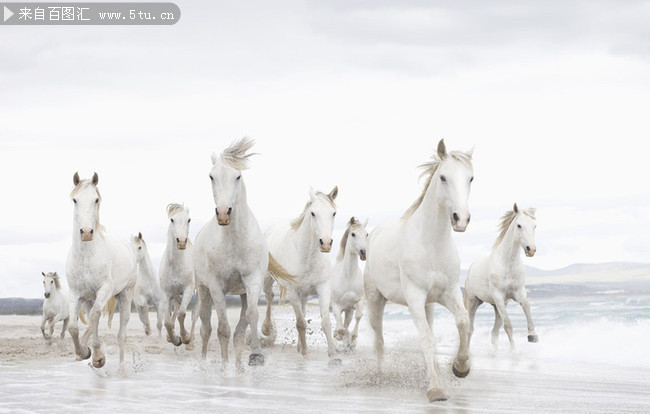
{"x": 443, "y": 178}
{"x": 353, "y": 235}
{"x": 471, "y": 179}
{"x": 312, "y": 214}
{"x": 519, "y": 225}
{"x": 74, "y": 200}
{"x": 334, "y": 214}
{"x": 140, "y": 248}
{"x": 96, "y": 200}
{"x": 188, "y": 220}
{"x": 238, "y": 177}
{"x": 172, "y": 220}
{"x": 51, "y": 281}
{"x": 211, "y": 177}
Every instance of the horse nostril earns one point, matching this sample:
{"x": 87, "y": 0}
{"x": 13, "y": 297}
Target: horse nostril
{"x": 177, "y": 240}
{"x": 455, "y": 216}
{"x": 469, "y": 217}
{"x": 229, "y": 210}
{"x": 92, "y": 231}
{"x": 81, "y": 231}
{"x": 321, "y": 241}
{"x": 527, "y": 248}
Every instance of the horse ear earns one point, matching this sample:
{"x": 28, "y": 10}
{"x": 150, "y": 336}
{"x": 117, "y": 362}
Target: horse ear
{"x": 140, "y": 235}
{"x": 95, "y": 179}
{"x": 470, "y": 152}
{"x": 75, "y": 179}
{"x": 312, "y": 193}
{"x": 352, "y": 220}
{"x": 214, "y": 158}
{"x": 365, "y": 223}
{"x": 442, "y": 150}
{"x": 55, "y": 275}
{"x": 43, "y": 273}
{"x": 515, "y": 208}
{"x": 335, "y": 191}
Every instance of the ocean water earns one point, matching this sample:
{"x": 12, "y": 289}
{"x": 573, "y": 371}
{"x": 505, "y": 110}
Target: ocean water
{"x": 592, "y": 356}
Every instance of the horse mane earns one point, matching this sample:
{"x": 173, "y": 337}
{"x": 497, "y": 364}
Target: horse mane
{"x": 235, "y": 155}
{"x": 295, "y": 223}
{"x": 508, "y": 218}
{"x": 430, "y": 168}
{"x": 353, "y": 224}
{"x": 83, "y": 184}
{"x": 173, "y": 208}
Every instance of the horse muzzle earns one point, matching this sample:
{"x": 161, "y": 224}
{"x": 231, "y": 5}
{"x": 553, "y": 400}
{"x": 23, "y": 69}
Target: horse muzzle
{"x": 362, "y": 255}
{"x": 86, "y": 235}
{"x": 47, "y": 295}
{"x": 325, "y": 245}
{"x": 223, "y": 219}
{"x": 530, "y": 251}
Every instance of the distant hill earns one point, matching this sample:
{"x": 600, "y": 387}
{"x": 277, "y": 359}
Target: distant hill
{"x": 611, "y": 272}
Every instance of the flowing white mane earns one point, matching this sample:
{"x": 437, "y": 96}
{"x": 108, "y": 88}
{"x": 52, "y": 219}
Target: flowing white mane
{"x": 508, "y": 218}
{"x": 174, "y": 208}
{"x": 430, "y": 168}
{"x": 235, "y": 155}
{"x": 295, "y": 223}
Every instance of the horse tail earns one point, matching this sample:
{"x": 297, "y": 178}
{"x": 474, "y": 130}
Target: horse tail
{"x": 110, "y": 309}
{"x": 278, "y": 272}
{"x": 82, "y": 317}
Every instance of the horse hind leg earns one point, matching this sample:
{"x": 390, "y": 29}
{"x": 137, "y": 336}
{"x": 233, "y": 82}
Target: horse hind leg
{"x": 472, "y": 302}
{"x": 267, "y": 326}
{"x": 65, "y": 327}
{"x": 124, "y": 298}
{"x": 170, "y": 321}
{"x": 498, "y": 322}
{"x": 182, "y": 311}
{"x": 357, "y": 316}
{"x": 143, "y": 313}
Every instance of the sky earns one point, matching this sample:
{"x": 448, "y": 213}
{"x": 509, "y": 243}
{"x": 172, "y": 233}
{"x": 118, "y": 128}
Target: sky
{"x": 552, "y": 95}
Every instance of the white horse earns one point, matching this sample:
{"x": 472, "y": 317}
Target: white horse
{"x": 55, "y": 306}
{"x": 177, "y": 275}
{"x": 500, "y": 276}
{"x": 347, "y": 281}
{"x": 299, "y": 246}
{"x": 98, "y": 268}
{"x": 147, "y": 286}
{"x": 414, "y": 261}
{"x": 230, "y": 256}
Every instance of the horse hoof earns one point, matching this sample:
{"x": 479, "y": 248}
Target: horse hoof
{"x": 147, "y": 331}
{"x": 335, "y": 362}
{"x": 532, "y": 338}
{"x": 256, "y": 360}
{"x": 186, "y": 340}
{"x": 99, "y": 362}
{"x": 437, "y": 394}
{"x": 189, "y": 347}
{"x": 459, "y": 374}
{"x": 176, "y": 340}
{"x": 82, "y": 357}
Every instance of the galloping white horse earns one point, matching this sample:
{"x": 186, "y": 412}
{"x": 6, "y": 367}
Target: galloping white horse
{"x": 414, "y": 261}
{"x": 98, "y": 268}
{"x": 499, "y": 277}
{"x": 347, "y": 281}
{"x": 299, "y": 246}
{"x": 55, "y": 305}
{"x": 177, "y": 274}
{"x": 147, "y": 286}
{"x": 230, "y": 256}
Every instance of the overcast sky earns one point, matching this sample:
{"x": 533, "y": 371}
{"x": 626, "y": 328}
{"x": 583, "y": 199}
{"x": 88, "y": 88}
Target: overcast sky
{"x": 553, "y": 95}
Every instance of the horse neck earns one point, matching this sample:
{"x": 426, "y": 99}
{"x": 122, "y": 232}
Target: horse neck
{"x": 145, "y": 265}
{"x": 507, "y": 250}
{"x": 431, "y": 219}
{"x": 350, "y": 262}
{"x": 306, "y": 239}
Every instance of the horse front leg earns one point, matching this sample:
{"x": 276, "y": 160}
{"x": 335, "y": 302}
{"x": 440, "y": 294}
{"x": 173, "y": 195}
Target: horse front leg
{"x": 339, "y": 332}
{"x": 253, "y": 289}
{"x": 205, "y": 313}
{"x": 182, "y": 311}
{"x": 103, "y": 295}
{"x": 43, "y": 322}
{"x": 324, "y": 291}
{"x": 358, "y": 314}
{"x": 500, "y": 305}
{"x": 376, "y": 305}
{"x": 239, "y": 336}
{"x": 520, "y": 298}
{"x": 223, "y": 329}
{"x": 416, "y": 300}
{"x": 170, "y": 319}
{"x": 65, "y": 326}
{"x": 301, "y": 324}
{"x": 453, "y": 300}
{"x": 124, "y": 297}
{"x": 81, "y": 351}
